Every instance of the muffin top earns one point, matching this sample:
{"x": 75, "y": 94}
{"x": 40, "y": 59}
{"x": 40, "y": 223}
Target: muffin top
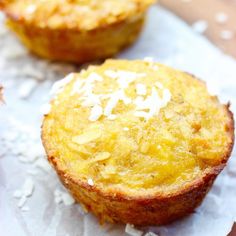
{"x": 136, "y": 125}
{"x": 74, "y": 14}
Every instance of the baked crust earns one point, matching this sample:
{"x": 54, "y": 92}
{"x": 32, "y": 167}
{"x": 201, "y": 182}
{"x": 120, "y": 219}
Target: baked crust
{"x": 76, "y": 42}
{"x": 72, "y": 46}
{"x": 141, "y": 209}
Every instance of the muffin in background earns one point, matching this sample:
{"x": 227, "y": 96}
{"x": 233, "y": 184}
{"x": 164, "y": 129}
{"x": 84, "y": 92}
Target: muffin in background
{"x": 75, "y": 30}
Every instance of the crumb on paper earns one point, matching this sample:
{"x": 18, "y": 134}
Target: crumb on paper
{"x": 22, "y": 201}
{"x": 25, "y": 192}
{"x": 67, "y": 199}
{"x": 63, "y": 197}
{"x": 130, "y": 230}
{"x": 28, "y": 187}
{"x": 26, "y": 88}
{"x": 43, "y": 165}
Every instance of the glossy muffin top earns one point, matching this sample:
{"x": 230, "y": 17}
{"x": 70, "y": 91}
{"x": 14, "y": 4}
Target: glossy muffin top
{"x": 136, "y": 125}
{"x": 74, "y": 14}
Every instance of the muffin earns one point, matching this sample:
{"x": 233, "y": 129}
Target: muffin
{"x": 76, "y": 30}
{"x": 135, "y": 141}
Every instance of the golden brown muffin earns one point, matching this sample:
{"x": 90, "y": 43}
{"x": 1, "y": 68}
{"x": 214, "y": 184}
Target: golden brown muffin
{"x": 76, "y": 30}
{"x": 137, "y": 142}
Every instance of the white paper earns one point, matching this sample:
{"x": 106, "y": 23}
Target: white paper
{"x": 165, "y": 38}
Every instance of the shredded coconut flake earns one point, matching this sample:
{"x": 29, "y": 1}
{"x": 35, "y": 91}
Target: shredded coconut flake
{"x": 125, "y": 78}
{"x": 159, "y": 85}
{"x": 90, "y": 182}
{"x": 57, "y": 200}
{"x": 130, "y": 230}
{"x": 22, "y": 201}
{"x": 96, "y": 113}
{"x": 25, "y": 192}
{"x": 111, "y": 73}
{"x": 28, "y": 187}
{"x": 77, "y": 86}
{"x": 31, "y": 9}
{"x": 141, "y": 89}
{"x": 112, "y": 103}
{"x": 59, "y": 85}
{"x": 61, "y": 196}
{"x": 115, "y": 98}
{"x": 67, "y": 199}
{"x": 90, "y": 100}
{"x": 153, "y": 103}
{"x": 45, "y": 109}
{"x": 26, "y": 88}
{"x": 93, "y": 77}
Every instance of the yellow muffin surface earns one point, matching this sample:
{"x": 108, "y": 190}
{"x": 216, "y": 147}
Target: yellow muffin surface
{"x": 135, "y": 126}
{"x": 76, "y": 14}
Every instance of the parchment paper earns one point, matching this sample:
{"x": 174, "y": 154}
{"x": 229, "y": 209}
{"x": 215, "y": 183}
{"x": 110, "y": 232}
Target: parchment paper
{"x": 27, "y": 81}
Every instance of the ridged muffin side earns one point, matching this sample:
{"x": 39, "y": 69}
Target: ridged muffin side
{"x": 69, "y": 45}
